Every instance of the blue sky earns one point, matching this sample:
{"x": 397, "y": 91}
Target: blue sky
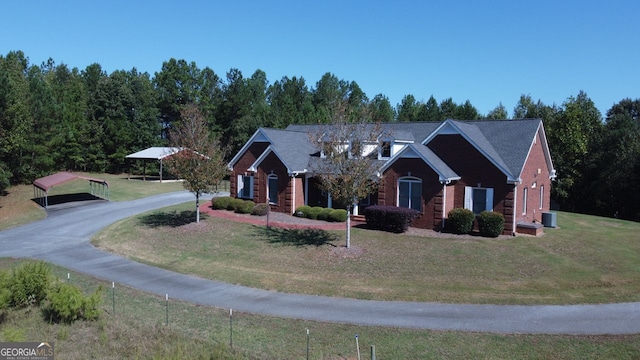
{"x": 483, "y": 51}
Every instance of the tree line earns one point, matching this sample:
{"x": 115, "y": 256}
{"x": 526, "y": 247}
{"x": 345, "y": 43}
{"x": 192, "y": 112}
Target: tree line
{"x": 53, "y": 118}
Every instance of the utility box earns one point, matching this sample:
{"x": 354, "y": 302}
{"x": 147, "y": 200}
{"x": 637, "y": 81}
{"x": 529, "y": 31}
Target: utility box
{"x": 549, "y": 219}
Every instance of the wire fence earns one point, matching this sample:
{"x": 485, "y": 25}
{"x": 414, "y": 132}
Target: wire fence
{"x": 220, "y": 326}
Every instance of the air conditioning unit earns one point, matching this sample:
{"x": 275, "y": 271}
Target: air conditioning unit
{"x": 549, "y": 219}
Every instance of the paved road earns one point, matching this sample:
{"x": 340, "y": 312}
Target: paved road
{"x": 63, "y": 239}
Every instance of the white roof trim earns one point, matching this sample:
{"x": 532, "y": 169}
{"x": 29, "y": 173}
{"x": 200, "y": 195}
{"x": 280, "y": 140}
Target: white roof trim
{"x": 411, "y": 147}
{"x": 449, "y": 125}
{"x": 265, "y": 153}
{"x": 258, "y": 135}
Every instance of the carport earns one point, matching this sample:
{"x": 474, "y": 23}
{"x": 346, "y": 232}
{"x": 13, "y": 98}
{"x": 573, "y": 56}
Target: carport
{"x": 154, "y": 154}
{"x": 41, "y": 186}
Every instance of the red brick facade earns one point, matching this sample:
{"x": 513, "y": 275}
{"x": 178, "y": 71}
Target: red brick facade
{"x": 536, "y": 180}
{"x": 432, "y": 191}
{"x": 474, "y": 169}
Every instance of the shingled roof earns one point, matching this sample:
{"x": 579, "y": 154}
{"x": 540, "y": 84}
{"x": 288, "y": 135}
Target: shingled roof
{"x": 506, "y": 143}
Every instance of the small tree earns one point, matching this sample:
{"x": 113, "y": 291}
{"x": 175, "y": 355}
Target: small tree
{"x": 349, "y": 150}
{"x": 200, "y": 163}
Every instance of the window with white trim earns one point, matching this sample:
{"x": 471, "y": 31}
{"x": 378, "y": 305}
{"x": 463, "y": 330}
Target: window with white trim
{"x": 478, "y": 199}
{"x": 541, "y": 196}
{"x": 272, "y": 188}
{"x": 245, "y": 187}
{"x": 410, "y": 193}
{"x": 524, "y": 200}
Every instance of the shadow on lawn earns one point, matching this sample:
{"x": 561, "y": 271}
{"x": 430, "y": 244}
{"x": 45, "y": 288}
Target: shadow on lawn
{"x": 172, "y": 219}
{"x": 296, "y": 237}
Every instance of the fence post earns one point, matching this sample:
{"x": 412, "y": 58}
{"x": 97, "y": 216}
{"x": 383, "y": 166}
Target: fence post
{"x": 166, "y": 299}
{"x": 113, "y": 297}
{"x": 231, "y": 328}
{"x": 307, "y": 344}
{"x": 373, "y": 352}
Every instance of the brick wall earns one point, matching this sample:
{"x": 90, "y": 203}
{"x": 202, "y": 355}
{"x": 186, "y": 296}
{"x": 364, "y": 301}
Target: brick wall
{"x": 477, "y": 171}
{"x": 535, "y": 177}
{"x": 432, "y": 201}
{"x": 245, "y": 161}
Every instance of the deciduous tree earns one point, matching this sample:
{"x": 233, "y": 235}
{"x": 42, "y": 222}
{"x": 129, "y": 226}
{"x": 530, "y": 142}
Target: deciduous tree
{"x": 201, "y": 162}
{"x": 347, "y": 171}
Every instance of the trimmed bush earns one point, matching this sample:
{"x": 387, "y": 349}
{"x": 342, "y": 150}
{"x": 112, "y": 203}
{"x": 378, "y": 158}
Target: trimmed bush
{"x": 460, "y": 221}
{"x": 389, "y": 218}
{"x": 302, "y": 211}
{"x": 66, "y": 303}
{"x": 245, "y": 207}
{"x": 490, "y": 223}
{"x": 314, "y": 212}
{"x": 260, "y": 209}
{"x": 337, "y": 215}
{"x": 29, "y": 283}
{"x": 221, "y": 203}
{"x": 324, "y": 214}
{"x": 234, "y": 204}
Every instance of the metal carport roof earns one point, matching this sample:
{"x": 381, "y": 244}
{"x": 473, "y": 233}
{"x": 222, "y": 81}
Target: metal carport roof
{"x": 46, "y": 183}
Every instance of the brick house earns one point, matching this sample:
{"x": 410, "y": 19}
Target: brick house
{"x": 433, "y": 167}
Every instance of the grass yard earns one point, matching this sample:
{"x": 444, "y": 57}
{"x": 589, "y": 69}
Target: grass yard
{"x": 17, "y": 207}
{"x": 588, "y": 260}
{"x": 138, "y": 330}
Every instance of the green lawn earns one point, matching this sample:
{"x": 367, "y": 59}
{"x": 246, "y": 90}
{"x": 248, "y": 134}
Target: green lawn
{"x": 138, "y": 330}
{"x": 17, "y": 207}
{"x": 587, "y": 260}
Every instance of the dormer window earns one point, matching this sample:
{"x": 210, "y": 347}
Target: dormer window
{"x": 385, "y": 149}
{"x": 355, "y": 149}
{"x": 325, "y": 150}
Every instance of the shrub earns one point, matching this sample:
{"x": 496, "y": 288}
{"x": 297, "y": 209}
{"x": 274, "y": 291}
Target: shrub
{"x": 66, "y": 303}
{"x": 234, "y": 204}
{"x": 221, "y": 203}
{"x": 324, "y": 214}
{"x": 29, "y": 283}
{"x": 490, "y": 223}
{"x": 338, "y": 215}
{"x": 314, "y": 212}
{"x": 460, "y": 221}
{"x": 302, "y": 211}
{"x": 5, "y": 293}
{"x": 389, "y": 218}
{"x": 260, "y": 209}
{"x": 245, "y": 207}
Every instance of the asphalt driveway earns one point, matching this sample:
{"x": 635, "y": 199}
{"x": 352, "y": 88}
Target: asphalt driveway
{"x": 63, "y": 238}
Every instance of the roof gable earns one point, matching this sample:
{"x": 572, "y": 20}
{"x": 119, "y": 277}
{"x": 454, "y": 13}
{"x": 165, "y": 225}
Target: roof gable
{"x": 258, "y": 136}
{"x": 505, "y": 143}
{"x": 445, "y": 173}
{"x": 293, "y": 148}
